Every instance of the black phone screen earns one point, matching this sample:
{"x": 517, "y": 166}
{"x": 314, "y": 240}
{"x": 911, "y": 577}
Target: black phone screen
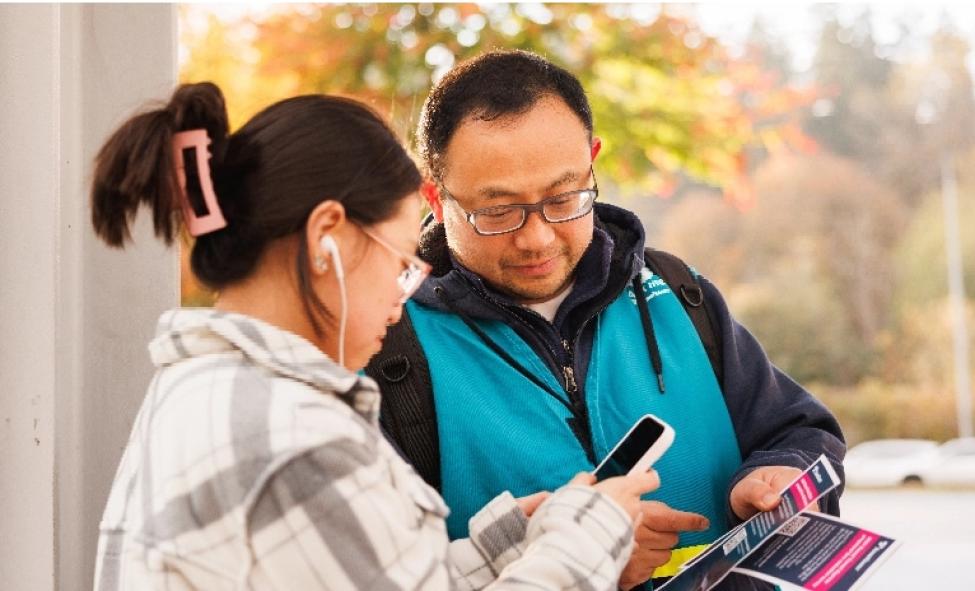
{"x": 631, "y": 449}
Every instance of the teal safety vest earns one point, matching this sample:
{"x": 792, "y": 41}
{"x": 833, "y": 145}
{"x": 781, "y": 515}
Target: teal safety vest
{"x": 499, "y": 431}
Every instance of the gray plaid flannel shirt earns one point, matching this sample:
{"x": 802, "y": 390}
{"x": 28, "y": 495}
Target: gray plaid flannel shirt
{"x": 256, "y": 462}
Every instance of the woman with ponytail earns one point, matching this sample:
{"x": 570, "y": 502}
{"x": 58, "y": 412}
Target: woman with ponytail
{"x": 256, "y": 460}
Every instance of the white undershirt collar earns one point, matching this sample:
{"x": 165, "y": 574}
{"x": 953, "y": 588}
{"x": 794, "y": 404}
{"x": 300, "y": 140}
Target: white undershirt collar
{"x": 549, "y": 308}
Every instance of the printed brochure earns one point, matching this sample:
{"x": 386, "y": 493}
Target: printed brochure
{"x": 818, "y": 552}
{"x": 790, "y": 547}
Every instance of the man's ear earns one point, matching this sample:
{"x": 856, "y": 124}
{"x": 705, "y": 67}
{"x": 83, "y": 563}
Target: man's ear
{"x": 431, "y": 193}
{"x": 597, "y": 145}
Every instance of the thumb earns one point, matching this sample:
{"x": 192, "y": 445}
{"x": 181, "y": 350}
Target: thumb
{"x": 531, "y": 502}
{"x": 751, "y": 495}
{"x": 584, "y": 479}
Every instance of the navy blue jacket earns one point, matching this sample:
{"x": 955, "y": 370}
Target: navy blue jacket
{"x": 776, "y": 421}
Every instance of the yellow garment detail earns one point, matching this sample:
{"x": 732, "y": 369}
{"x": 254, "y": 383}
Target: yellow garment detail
{"x": 678, "y": 557}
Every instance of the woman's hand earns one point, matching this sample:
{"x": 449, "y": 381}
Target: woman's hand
{"x": 625, "y": 490}
{"x": 531, "y": 502}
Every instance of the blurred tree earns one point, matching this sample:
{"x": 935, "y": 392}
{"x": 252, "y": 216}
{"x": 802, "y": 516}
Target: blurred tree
{"x": 945, "y": 104}
{"x": 920, "y": 352}
{"x": 834, "y": 259}
{"x": 876, "y": 409}
{"x": 892, "y": 118}
{"x": 707, "y": 233}
{"x": 669, "y": 102}
{"x": 855, "y": 79}
{"x": 220, "y": 50}
{"x": 808, "y": 268}
{"x": 667, "y": 99}
{"x": 921, "y": 277}
{"x": 852, "y": 222}
{"x": 769, "y": 50}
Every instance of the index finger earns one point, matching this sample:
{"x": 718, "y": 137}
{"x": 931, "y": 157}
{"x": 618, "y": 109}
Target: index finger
{"x": 660, "y": 517}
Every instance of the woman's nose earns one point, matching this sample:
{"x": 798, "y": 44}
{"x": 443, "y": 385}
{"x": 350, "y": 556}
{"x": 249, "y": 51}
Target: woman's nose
{"x": 395, "y": 314}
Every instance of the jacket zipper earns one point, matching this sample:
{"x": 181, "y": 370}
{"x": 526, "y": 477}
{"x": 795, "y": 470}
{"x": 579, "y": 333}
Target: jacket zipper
{"x": 580, "y": 414}
{"x": 506, "y": 312}
{"x": 568, "y": 371}
{"x": 570, "y": 380}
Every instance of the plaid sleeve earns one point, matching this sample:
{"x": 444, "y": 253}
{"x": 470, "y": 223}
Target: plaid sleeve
{"x": 331, "y": 518}
{"x": 498, "y": 537}
{"x": 578, "y": 539}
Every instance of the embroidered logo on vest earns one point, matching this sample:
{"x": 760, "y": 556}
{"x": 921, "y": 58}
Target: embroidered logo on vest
{"x": 653, "y": 286}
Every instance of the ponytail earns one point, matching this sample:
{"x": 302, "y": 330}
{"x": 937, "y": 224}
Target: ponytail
{"x": 135, "y": 166}
{"x": 268, "y": 177}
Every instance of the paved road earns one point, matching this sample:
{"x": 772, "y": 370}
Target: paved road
{"x": 937, "y": 534}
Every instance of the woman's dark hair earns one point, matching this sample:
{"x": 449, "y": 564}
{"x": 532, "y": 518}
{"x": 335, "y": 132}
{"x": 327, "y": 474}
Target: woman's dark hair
{"x": 268, "y": 176}
{"x": 490, "y": 86}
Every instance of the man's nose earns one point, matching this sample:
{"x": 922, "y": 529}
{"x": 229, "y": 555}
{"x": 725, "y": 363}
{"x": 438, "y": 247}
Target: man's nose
{"x": 536, "y": 234}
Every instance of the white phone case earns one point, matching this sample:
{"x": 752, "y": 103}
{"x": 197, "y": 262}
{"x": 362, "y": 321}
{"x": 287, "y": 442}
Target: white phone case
{"x": 653, "y": 452}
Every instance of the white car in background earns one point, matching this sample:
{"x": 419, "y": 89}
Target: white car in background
{"x": 955, "y": 464}
{"x": 889, "y": 462}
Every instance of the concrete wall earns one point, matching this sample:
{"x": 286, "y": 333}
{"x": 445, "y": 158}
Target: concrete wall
{"x": 74, "y": 316}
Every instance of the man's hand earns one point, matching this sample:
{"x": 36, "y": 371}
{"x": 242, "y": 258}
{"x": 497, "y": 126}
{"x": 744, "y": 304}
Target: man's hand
{"x": 655, "y": 538}
{"x": 759, "y": 491}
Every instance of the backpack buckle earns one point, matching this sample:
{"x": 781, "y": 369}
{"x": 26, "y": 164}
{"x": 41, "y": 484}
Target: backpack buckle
{"x": 395, "y": 369}
{"x": 692, "y": 294}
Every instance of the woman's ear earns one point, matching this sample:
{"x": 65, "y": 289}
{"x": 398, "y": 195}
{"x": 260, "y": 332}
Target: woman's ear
{"x": 325, "y": 223}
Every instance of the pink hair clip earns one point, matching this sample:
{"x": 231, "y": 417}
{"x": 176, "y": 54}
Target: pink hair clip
{"x": 212, "y": 219}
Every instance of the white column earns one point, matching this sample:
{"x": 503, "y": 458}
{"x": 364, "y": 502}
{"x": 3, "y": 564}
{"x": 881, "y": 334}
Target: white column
{"x": 74, "y": 316}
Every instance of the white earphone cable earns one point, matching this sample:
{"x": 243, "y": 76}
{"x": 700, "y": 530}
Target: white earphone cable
{"x": 342, "y": 315}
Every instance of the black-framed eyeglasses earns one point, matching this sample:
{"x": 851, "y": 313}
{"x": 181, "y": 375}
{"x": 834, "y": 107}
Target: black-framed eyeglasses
{"x": 501, "y": 219}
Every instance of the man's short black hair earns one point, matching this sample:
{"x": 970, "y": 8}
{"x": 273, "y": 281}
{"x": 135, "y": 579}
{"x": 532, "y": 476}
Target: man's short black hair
{"x": 489, "y": 86}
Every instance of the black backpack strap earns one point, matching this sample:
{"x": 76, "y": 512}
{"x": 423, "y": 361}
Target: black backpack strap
{"x": 688, "y": 289}
{"x": 408, "y": 415}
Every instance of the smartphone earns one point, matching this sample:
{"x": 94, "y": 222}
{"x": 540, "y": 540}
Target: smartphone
{"x": 642, "y": 445}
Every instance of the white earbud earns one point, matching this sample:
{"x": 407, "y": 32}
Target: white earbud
{"x": 329, "y": 245}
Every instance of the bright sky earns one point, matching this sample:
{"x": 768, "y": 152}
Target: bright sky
{"x": 795, "y": 23}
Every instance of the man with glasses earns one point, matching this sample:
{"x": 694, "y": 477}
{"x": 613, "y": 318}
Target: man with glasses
{"x": 545, "y": 331}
